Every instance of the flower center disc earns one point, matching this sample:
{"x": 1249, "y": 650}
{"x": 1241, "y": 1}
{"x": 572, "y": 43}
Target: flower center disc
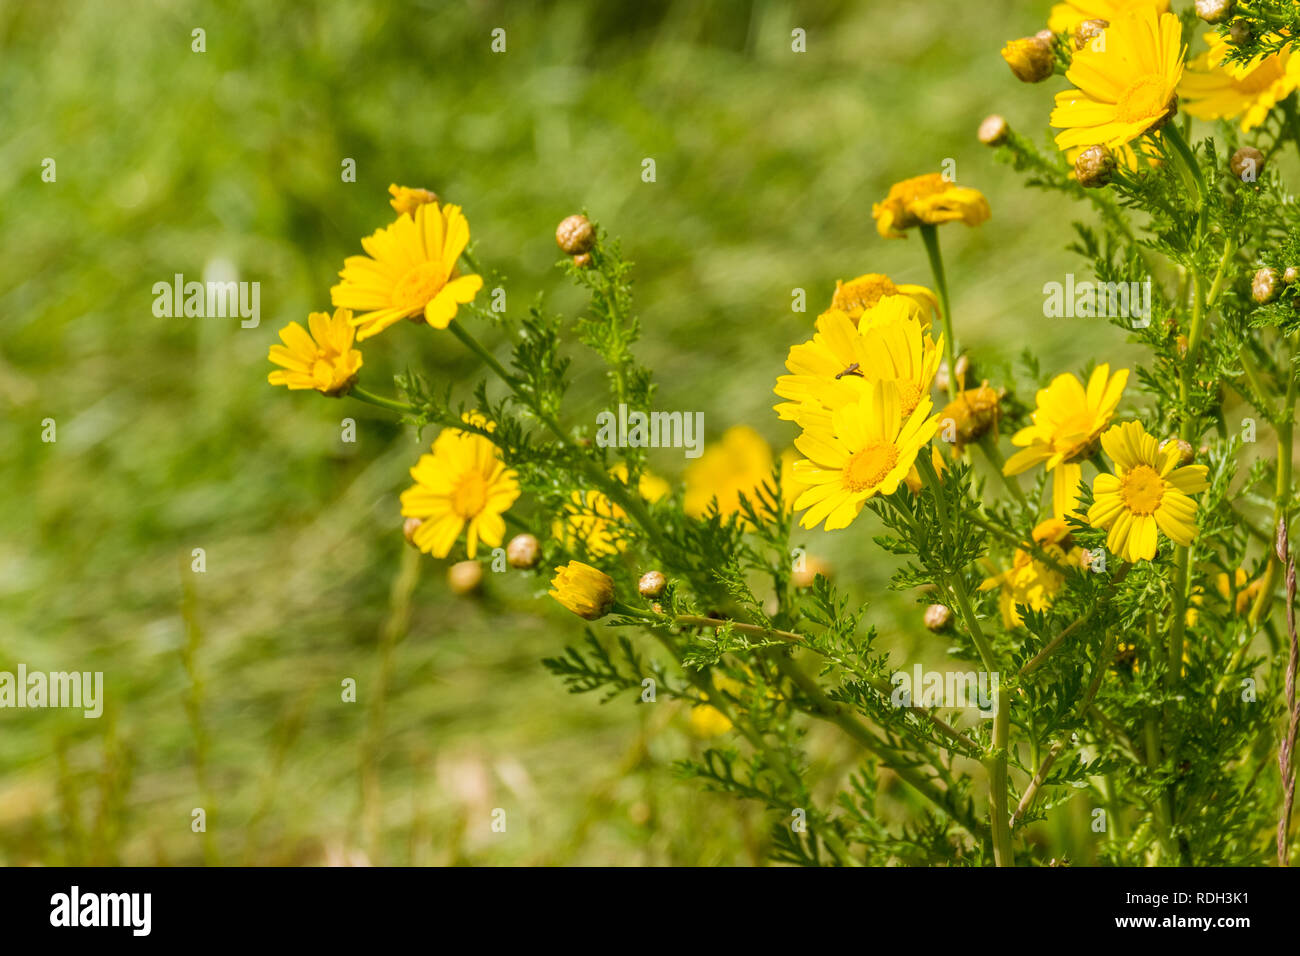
{"x": 1141, "y": 489}
{"x": 469, "y": 496}
{"x": 857, "y": 297}
{"x": 909, "y": 394}
{"x": 415, "y": 289}
{"x": 1145, "y": 98}
{"x": 869, "y": 467}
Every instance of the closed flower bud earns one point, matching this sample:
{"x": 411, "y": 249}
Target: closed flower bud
{"x": 1263, "y": 288}
{"x": 464, "y": 577}
{"x": 994, "y": 130}
{"x": 1031, "y": 58}
{"x": 409, "y": 527}
{"x": 575, "y": 235}
{"x": 652, "y": 584}
{"x": 586, "y": 591}
{"x": 1290, "y": 274}
{"x": 971, "y": 414}
{"x": 1186, "y": 454}
{"x": 1247, "y": 163}
{"x": 523, "y": 552}
{"x": 1214, "y": 11}
{"x": 938, "y": 617}
{"x": 1087, "y": 31}
{"x": 1239, "y": 32}
{"x": 582, "y": 260}
{"x": 1094, "y": 167}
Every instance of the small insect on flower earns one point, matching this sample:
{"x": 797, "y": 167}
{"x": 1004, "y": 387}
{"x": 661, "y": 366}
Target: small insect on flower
{"x": 868, "y": 449}
{"x": 1124, "y": 88}
{"x": 410, "y": 271}
{"x": 406, "y": 199}
{"x": 324, "y": 360}
{"x": 927, "y": 200}
{"x": 586, "y": 591}
{"x": 1067, "y": 422}
{"x": 1149, "y": 493}
{"x": 463, "y": 484}
{"x": 1215, "y": 89}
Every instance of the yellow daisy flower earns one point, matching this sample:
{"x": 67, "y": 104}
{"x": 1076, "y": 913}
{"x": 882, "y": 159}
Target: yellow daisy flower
{"x": 462, "y": 483}
{"x": 856, "y": 296}
{"x": 1148, "y": 494}
{"x": 591, "y": 519}
{"x": 1031, "y": 582}
{"x": 1068, "y": 15}
{"x": 1246, "y": 593}
{"x": 1124, "y": 89}
{"x": 840, "y": 362}
{"x": 324, "y": 360}
{"x": 586, "y": 591}
{"x": 927, "y": 200}
{"x": 410, "y": 270}
{"x": 739, "y": 464}
{"x": 1067, "y": 422}
{"x": 1213, "y": 89}
{"x": 869, "y": 450}
{"x": 407, "y": 199}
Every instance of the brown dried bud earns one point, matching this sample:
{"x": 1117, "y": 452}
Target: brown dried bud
{"x": 938, "y": 617}
{"x": 1089, "y": 30}
{"x": 1239, "y": 32}
{"x": 1031, "y": 59}
{"x": 652, "y": 584}
{"x": 969, "y": 416}
{"x": 409, "y": 527}
{"x": 1186, "y": 454}
{"x": 1263, "y": 288}
{"x": 523, "y": 552}
{"x": 575, "y": 235}
{"x": 806, "y": 574}
{"x": 994, "y": 130}
{"x": 1247, "y": 163}
{"x": 582, "y": 260}
{"x": 464, "y": 577}
{"x": 1094, "y": 167}
{"x": 1214, "y": 11}
{"x": 964, "y": 371}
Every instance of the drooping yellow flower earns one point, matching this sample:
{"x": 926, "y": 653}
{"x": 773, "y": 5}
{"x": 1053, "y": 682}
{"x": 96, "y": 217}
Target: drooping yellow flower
{"x": 586, "y": 591}
{"x": 856, "y": 296}
{"x": 739, "y": 464}
{"x": 409, "y": 270}
{"x": 1067, "y": 423}
{"x": 463, "y": 483}
{"x": 1068, "y": 15}
{"x": 1031, "y": 582}
{"x": 592, "y": 520}
{"x": 868, "y": 450}
{"x": 1148, "y": 494}
{"x": 324, "y": 360}
{"x": 927, "y": 200}
{"x": 1213, "y": 89}
{"x": 407, "y": 199}
{"x": 1124, "y": 87}
{"x": 1246, "y": 593}
{"x": 840, "y": 362}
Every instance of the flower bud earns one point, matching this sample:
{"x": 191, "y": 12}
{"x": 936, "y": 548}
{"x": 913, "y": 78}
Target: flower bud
{"x": 1214, "y": 11}
{"x": 938, "y": 617}
{"x": 409, "y": 527}
{"x": 652, "y": 584}
{"x": 586, "y": 591}
{"x": 1247, "y": 163}
{"x": 575, "y": 235}
{"x": 1263, "y": 288}
{"x": 523, "y": 552}
{"x": 973, "y": 413}
{"x": 1239, "y": 32}
{"x": 994, "y": 130}
{"x": 1031, "y": 59}
{"x": 1290, "y": 274}
{"x": 407, "y": 199}
{"x": 582, "y": 260}
{"x": 808, "y": 575}
{"x": 963, "y": 372}
{"x": 464, "y": 577}
{"x": 1094, "y": 167}
{"x": 1087, "y": 31}
{"x": 1186, "y": 454}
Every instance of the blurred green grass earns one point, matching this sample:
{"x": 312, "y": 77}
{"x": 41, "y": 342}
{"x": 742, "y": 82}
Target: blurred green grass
{"x": 169, "y": 438}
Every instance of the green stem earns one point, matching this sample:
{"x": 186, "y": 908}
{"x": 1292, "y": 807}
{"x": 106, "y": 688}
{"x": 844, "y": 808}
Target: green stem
{"x": 989, "y": 445}
{"x": 1175, "y": 138}
{"x": 370, "y": 398}
{"x": 473, "y": 345}
{"x": 930, "y": 236}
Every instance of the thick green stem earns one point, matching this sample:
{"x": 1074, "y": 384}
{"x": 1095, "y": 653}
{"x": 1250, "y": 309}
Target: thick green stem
{"x": 930, "y": 236}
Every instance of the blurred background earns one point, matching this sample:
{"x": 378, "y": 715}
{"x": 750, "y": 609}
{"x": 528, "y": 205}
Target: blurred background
{"x": 223, "y": 688}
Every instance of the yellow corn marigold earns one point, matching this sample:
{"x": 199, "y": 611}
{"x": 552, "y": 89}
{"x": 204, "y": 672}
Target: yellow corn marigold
{"x": 856, "y": 296}
{"x": 1214, "y": 89}
{"x": 1031, "y": 582}
{"x": 324, "y": 359}
{"x": 1068, "y": 15}
{"x": 739, "y": 464}
{"x": 595, "y": 522}
{"x": 927, "y": 200}
{"x": 586, "y": 591}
